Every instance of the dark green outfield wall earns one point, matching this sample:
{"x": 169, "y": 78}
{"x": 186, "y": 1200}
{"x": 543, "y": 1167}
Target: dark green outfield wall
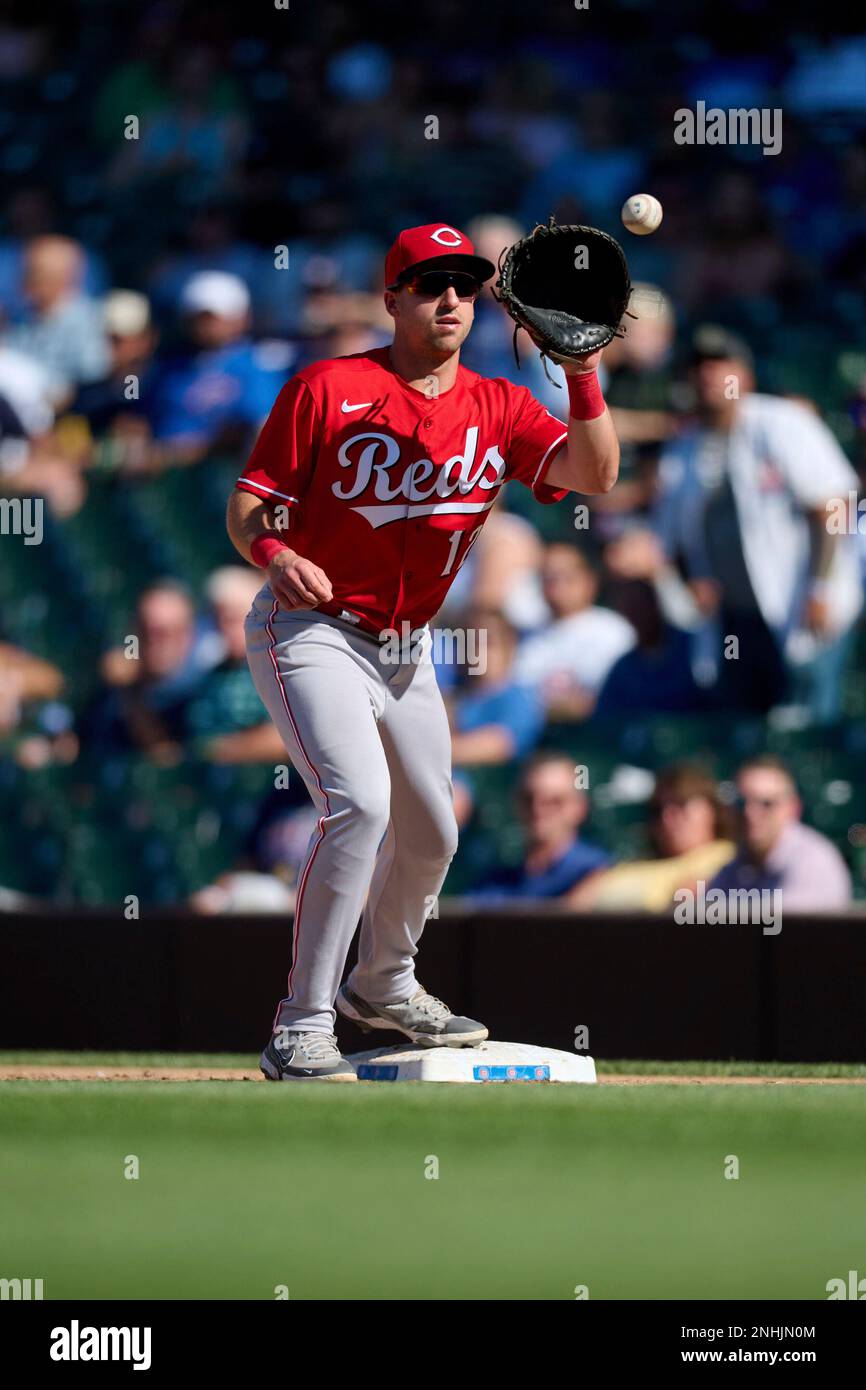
{"x": 645, "y": 988}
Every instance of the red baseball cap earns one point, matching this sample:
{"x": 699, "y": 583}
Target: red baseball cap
{"x": 434, "y": 247}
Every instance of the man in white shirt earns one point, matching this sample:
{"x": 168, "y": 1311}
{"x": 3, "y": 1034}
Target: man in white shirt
{"x": 569, "y": 659}
{"x": 744, "y": 495}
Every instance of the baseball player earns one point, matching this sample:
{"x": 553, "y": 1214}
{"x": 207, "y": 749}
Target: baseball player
{"x": 368, "y": 485}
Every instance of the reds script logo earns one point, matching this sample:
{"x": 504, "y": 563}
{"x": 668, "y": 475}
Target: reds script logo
{"x": 376, "y": 456}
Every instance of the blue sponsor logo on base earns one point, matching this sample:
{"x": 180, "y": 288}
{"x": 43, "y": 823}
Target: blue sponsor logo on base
{"x": 530, "y": 1071}
{"x": 368, "y": 1071}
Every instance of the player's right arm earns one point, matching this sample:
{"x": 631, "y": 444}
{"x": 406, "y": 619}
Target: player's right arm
{"x": 296, "y": 582}
{"x": 274, "y": 480}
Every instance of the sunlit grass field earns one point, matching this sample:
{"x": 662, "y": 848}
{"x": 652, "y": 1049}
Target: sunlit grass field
{"x": 401, "y": 1191}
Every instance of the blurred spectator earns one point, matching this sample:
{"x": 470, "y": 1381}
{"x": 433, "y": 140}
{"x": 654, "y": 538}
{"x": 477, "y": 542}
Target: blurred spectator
{"x": 493, "y": 717}
{"x": 691, "y": 833}
{"x": 13, "y": 438}
{"x": 656, "y": 674}
{"x": 241, "y": 891}
{"x": 739, "y": 255}
{"x": 63, "y": 328}
{"x": 211, "y": 241}
{"x": 29, "y": 213}
{"x": 115, "y": 407}
{"x": 638, "y": 555}
{"x": 23, "y": 678}
{"x": 26, "y": 390}
{"x": 33, "y": 461}
{"x": 502, "y": 571}
{"x": 35, "y": 723}
{"x": 340, "y": 323}
{"x": 639, "y": 365}
{"x": 776, "y": 850}
{"x": 266, "y": 875}
{"x": 214, "y": 394}
{"x": 640, "y": 394}
{"x": 567, "y": 662}
{"x": 335, "y": 254}
{"x": 198, "y": 133}
{"x": 13, "y": 901}
{"x": 226, "y": 720}
{"x": 552, "y": 810}
{"x": 137, "y": 80}
{"x": 145, "y": 696}
{"x": 743, "y": 502}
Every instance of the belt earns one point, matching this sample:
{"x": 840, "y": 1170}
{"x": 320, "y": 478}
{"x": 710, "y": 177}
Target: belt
{"x": 333, "y": 612}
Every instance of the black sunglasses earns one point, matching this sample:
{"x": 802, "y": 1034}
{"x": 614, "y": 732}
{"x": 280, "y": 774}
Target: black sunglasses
{"x": 432, "y": 283}
{"x": 766, "y": 803}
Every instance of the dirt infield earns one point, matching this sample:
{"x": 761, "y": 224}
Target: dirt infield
{"x": 31, "y": 1072}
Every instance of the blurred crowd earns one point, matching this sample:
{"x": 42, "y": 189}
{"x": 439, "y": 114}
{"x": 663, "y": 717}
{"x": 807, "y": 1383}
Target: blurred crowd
{"x": 740, "y": 838}
{"x": 189, "y": 216}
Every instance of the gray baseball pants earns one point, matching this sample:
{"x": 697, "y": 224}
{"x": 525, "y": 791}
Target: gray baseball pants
{"x": 370, "y": 738}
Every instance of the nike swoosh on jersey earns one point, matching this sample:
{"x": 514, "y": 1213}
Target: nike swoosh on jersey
{"x": 383, "y": 514}
{"x": 347, "y": 409}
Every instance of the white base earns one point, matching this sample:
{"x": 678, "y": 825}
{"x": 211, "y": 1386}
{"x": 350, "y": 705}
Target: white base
{"x": 489, "y": 1061}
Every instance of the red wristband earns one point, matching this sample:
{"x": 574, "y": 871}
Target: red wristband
{"x": 585, "y": 401}
{"x": 264, "y": 548}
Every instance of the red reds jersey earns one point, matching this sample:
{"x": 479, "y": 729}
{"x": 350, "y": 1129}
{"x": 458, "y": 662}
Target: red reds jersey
{"x": 388, "y": 488}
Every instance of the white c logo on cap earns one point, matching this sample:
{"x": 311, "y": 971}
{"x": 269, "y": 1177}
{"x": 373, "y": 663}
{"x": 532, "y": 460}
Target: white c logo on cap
{"x": 444, "y": 232}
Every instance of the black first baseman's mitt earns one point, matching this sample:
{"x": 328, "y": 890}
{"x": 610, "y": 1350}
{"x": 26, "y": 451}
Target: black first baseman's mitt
{"x": 567, "y": 286}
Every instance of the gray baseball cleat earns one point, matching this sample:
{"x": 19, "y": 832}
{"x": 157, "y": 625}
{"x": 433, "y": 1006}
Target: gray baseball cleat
{"x": 296, "y": 1055}
{"x": 423, "y": 1018}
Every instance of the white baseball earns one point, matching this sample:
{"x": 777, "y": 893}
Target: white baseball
{"x": 642, "y": 213}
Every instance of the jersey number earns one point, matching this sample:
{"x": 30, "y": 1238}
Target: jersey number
{"x": 456, "y": 538}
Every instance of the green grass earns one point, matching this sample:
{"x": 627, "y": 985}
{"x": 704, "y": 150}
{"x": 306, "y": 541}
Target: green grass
{"x": 245, "y": 1187}
{"x": 820, "y": 1071}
